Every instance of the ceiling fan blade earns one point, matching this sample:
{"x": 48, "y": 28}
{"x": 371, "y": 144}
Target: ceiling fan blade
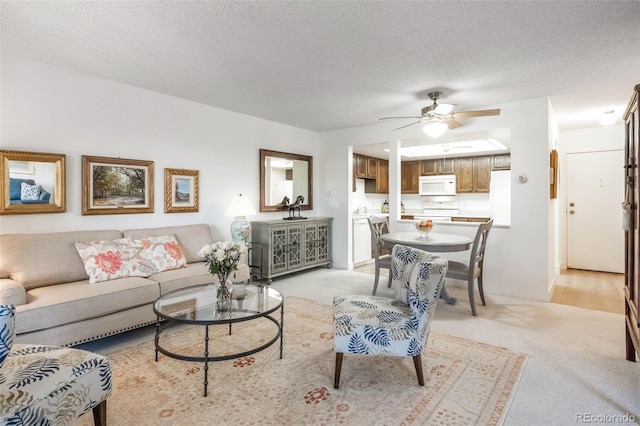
{"x": 393, "y": 118}
{"x": 417, "y": 122}
{"x": 479, "y": 113}
{"x": 452, "y": 124}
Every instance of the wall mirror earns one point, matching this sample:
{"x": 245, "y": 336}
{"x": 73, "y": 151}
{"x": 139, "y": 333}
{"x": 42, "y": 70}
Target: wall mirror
{"x": 32, "y": 182}
{"x": 285, "y": 175}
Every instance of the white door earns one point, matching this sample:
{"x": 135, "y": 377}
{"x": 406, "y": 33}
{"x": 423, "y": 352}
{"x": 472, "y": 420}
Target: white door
{"x": 595, "y": 192}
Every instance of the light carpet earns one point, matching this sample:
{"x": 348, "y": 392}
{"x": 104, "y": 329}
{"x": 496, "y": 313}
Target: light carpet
{"x": 465, "y": 382}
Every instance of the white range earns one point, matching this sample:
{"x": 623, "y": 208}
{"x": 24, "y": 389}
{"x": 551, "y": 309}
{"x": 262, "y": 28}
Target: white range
{"x": 439, "y": 211}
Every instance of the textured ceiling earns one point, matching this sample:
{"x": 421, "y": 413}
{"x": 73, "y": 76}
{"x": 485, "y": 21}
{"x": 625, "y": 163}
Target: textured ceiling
{"x": 324, "y": 65}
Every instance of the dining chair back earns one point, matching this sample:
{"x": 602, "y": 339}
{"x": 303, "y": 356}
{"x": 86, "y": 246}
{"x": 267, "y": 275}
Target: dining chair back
{"x": 381, "y": 254}
{"x": 384, "y": 326}
{"x": 472, "y": 271}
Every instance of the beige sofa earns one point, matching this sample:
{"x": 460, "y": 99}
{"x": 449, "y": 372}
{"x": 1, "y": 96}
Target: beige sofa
{"x": 44, "y": 277}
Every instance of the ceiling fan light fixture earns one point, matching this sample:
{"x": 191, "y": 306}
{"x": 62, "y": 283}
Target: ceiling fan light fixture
{"x": 435, "y": 129}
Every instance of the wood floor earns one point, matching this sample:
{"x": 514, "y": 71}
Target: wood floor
{"x": 598, "y": 291}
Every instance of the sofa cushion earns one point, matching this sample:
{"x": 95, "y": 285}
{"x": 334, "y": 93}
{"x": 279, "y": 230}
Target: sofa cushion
{"x": 190, "y": 237}
{"x": 163, "y": 252}
{"x": 30, "y": 192}
{"x": 36, "y": 260}
{"x": 60, "y": 304}
{"x": 110, "y": 260}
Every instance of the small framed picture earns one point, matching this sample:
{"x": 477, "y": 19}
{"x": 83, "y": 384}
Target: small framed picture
{"x": 181, "y": 190}
{"x": 116, "y": 185}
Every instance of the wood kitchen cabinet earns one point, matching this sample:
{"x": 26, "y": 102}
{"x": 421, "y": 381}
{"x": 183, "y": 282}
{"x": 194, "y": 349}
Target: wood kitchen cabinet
{"x": 632, "y": 228}
{"x": 409, "y": 173}
{"x": 382, "y": 181}
{"x": 473, "y": 174}
{"x": 440, "y": 166}
{"x": 366, "y": 167}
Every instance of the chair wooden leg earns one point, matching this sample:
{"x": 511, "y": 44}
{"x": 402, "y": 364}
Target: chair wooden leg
{"x": 100, "y": 414}
{"x": 481, "y": 290}
{"x": 336, "y": 379}
{"x": 389, "y": 280}
{"x": 471, "y": 302}
{"x": 375, "y": 280}
{"x": 417, "y": 361}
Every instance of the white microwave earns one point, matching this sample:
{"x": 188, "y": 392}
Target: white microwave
{"x": 437, "y": 185}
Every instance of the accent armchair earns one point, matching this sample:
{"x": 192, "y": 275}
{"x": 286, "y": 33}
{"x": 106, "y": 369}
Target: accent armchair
{"x": 373, "y": 325}
{"x": 42, "y": 385}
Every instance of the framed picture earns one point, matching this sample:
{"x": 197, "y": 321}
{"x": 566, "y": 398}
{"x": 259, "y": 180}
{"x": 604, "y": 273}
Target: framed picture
{"x": 181, "y": 190}
{"x": 116, "y": 186}
{"x": 24, "y": 167}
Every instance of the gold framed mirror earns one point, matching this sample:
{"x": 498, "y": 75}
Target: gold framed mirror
{"x": 283, "y": 174}
{"x": 32, "y": 182}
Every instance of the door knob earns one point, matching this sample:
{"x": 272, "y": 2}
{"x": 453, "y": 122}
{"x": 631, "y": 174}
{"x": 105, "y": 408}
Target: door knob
{"x": 571, "y": 204}
{"x": 571, "y": 211}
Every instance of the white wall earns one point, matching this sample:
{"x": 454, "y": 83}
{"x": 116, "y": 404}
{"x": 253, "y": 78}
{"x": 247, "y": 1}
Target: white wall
{"x": 517, "y": 261}
{"x": 50, "y": 109}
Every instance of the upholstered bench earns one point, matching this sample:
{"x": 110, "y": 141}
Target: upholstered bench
{"x": 49, "y": 384}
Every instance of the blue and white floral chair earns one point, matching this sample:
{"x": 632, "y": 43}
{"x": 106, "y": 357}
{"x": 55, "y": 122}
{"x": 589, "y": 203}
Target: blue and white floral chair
{"x": 372, "y": 325}
{"x": 49, "y": 385}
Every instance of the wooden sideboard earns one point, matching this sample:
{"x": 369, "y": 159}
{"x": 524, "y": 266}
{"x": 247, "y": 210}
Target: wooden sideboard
{"x": 631, "y": 224}
{"x": 291, "y": 245}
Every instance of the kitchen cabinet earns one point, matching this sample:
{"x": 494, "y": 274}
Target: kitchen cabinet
{"x": 501, "y": 162}
{"x": 473, "y": 174}
{"x": 366, "y": 167}
{"x": 409, "y": 171}
{"x": 382, "y": 180}
{"x": 631, "y": 227}
{"x": 440, "y": 166}
{"x": 291, "y": 246}
{"x": 469, "y": 219}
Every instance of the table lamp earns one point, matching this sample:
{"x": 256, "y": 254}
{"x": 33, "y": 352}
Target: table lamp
{"x": 240, "y": 208}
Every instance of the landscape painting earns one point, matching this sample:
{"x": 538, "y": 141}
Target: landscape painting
{"x": 181, "y": 190}
{"x": 116, "y": 185}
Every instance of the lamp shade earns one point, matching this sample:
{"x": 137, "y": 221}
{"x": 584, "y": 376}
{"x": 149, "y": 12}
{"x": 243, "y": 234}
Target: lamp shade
{"x": 435, "y": 128}
{"x": 239, "y": 208}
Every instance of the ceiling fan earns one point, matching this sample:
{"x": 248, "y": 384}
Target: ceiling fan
{"x": 439, "y": 117}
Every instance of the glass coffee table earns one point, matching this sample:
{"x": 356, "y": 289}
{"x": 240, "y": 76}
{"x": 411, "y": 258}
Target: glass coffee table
{"x": 199, "y": 305}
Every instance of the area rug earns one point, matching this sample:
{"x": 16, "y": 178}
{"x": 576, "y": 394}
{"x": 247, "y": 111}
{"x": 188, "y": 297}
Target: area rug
{"x": 465, "y": 382}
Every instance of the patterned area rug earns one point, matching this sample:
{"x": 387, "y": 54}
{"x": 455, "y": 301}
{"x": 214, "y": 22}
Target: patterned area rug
{"x": 466, "y": 382}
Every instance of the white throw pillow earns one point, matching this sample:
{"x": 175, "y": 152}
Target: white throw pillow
{"x": 30, "y": 192}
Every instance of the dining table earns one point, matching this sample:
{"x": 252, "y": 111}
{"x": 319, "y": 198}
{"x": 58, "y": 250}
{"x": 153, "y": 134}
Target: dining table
{"x": 434, "y": 242}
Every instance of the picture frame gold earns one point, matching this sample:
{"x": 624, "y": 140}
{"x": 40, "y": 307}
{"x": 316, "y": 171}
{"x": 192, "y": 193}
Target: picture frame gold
{"x": 116, "y": 185}
{"x": 44, "y": 169}
{"x": 181, "y": 190}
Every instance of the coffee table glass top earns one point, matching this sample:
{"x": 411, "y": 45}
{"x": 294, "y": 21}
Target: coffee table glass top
{"x": 199, "y": 304}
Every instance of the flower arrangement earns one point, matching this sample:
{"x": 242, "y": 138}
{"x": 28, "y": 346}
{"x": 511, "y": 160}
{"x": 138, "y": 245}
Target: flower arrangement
{"x": 222, "y": 258}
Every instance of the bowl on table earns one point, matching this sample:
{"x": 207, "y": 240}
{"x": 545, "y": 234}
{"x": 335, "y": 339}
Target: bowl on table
{"x": 424, "y": 227}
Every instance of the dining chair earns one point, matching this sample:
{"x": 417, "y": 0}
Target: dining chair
{"x": 381, "y": 254}
{"x": 473, "y": 270}
{"x": 384, "y": 326}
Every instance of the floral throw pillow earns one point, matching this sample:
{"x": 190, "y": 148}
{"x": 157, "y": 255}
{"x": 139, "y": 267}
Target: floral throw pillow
{"x": 30, "y": 192}
{"x": 161, "y": 253}
{"x": 7, "y": 330}
{"x": 110, "y": 260}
